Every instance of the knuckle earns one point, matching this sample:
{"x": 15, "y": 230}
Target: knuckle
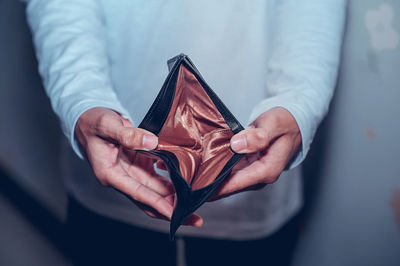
{"x": 157, "y": 200}
{"x": 273, "y": 120}
{"x": 147, "y": 182}
{"x": 127, "y": 137}
{"x": 138, "y": 138}
{"x": 103, "y": 120}
{"x": 136, "y": 191}
{"x": 271, "y": 179}
{"x": 101, "y": 177}
{"x": 260, "y": 135}
{"x": 258, "y": 138}
{"x": 103, "y": 180}
{"x": 132, "y": 138}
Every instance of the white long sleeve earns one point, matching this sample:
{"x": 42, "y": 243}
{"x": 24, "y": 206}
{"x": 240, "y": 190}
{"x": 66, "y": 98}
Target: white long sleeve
{"x": 301, "y": 72}
{"x": 113, "y": 53}
{"x": 70, "y": 45}
{"x": 302, "y": 69}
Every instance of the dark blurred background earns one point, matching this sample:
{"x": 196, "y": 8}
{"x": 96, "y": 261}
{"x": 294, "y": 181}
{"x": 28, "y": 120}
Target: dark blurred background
{"x": 352, "y": 174}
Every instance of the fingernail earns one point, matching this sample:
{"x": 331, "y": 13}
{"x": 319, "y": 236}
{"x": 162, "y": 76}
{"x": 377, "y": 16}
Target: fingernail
{"x": 199, "y": 223}
{"x": 239, "y": 144}
{"x": 150, "y": 142}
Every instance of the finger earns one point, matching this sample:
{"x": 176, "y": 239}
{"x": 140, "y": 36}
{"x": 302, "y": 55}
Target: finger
{"x": 252, "y": 140}
{"x": 151, "y": 212}
{"x": 243, "y": 180}
{"x": 101, "y": 155}
{"x": 145, "y": 174}
{"x": 263, "y": 171}
{"x": 246, "y": 161}
{"x": 112, "y": 127}
{"x": 194, "y": 220}
{"x": 217, "y": 196}
{"x": 134, "y": 138}
{"x": 141, "y": 193}
{"x": 159, "y": 184}
{"x": 171, "y": 198}
{"x": 146, "y": 209}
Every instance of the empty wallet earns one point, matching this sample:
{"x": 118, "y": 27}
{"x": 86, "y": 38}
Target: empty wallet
{"x": 194, "y": 129}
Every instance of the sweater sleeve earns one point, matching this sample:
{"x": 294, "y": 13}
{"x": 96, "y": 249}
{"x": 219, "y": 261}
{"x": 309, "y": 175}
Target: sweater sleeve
{"x": 303, "y": 63}
{"x": 69, "y": 37}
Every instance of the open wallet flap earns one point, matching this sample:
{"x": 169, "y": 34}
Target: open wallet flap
{"x": 194, "y": 129}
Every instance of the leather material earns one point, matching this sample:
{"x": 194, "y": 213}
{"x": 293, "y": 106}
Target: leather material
{"x": 194, "y": 129}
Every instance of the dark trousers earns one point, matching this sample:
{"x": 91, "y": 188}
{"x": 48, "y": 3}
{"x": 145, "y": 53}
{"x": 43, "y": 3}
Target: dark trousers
{"x": 97, "y": 240}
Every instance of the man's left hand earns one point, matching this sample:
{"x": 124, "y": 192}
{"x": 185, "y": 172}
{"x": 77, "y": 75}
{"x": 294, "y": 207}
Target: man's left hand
{"x": 270, "y": 144}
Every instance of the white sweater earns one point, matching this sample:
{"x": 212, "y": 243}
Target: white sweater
{"x": 255, "y": 55}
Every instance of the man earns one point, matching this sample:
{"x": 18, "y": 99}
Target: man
{"x": 273, "y": 63}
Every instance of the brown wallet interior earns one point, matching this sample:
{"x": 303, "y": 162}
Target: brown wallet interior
{"x": 195, "y": 132}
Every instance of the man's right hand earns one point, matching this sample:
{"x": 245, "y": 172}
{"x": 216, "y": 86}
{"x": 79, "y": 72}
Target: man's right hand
{"x": 109, "y": 142}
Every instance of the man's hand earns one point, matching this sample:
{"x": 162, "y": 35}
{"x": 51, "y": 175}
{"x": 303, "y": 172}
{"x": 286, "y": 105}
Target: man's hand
{"x": 109, "y": 142}
{"x": 271, "y": 142}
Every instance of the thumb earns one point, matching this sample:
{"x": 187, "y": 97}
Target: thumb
{"x": 251, "y": 140}
{"x": 136, "y": 138}
{"x": 128, "y": 136}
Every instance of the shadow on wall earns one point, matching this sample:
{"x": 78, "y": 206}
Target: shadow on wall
{"x": 30, "y": 176}
{"x": 30, "y": 135}
{"x": 352, "y": 172}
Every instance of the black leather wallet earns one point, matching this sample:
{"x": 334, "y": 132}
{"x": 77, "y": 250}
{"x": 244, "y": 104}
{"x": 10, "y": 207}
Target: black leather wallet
{"x": 194, "y": 129}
